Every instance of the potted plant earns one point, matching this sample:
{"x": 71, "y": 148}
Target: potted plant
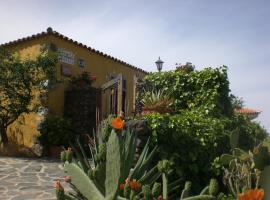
{"x": 156, "y": 102}
{"x": 55, "y": 133}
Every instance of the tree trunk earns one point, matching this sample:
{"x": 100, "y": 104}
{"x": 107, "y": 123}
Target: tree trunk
{"x": 3, "y": 133}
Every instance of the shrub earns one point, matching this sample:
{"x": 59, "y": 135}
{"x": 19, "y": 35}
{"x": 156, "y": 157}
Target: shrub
{"x": 206, "y": 90}
{"x": 55, "y": 130}
{"x": 204, "y": 120}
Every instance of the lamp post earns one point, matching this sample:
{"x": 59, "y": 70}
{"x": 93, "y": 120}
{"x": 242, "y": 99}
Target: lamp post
{"x": 159, "y": 64}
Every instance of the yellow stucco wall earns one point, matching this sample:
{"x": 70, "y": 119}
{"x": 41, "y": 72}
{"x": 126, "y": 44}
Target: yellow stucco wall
{"x": 23, "y": 130}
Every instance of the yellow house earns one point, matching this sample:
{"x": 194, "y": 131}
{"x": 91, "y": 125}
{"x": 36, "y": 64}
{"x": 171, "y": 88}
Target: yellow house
{"x": 115, "y": 81}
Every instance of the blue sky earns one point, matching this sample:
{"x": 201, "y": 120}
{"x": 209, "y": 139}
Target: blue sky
{"x": 211, "y": 33}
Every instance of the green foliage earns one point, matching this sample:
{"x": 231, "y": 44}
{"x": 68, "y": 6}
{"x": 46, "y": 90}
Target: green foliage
{"x": 82, "y": 182}
{"x": 203, "y": 126}
{"x": 60, "y": 194}
{"x": 105, "y": 176}
{"x": 66, "y": 155}
{"x": 146, "y": 192}
{"x": 156, "y": 189}
{"x": 206, "y": 90}
{"x": 113, "y": 165}
{"x": 106, "y": 128}
{"x": 242, "y": 170}
{"x": 55, "y": 130}
{"x": 237, "y": 102}
{"x": 156, "y": 99}
{"x": 20, "y": 83}
{"x": 265, "y": 181}
{"x": 186, "y": 191}
{"x": 191, "y": 140}
{"x": 209, "y": 193}
{"x": 213, "y": 187}
{"x": 253, "y": 132}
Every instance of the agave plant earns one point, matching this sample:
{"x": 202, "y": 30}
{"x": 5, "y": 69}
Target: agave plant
{"x": 158, "y": 100}
{"x": 100, "y": 172}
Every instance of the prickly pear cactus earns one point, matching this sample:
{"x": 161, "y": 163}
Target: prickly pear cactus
{"x": 186, "y": 190}
{"x": 69, "y": 155}
{"x": 213, "y": 187}
{"x": 126, "y": 191}
{"x": 84, "y": 184}
{"x": 205, "y": 191}
{"x": 156, "y": 189}
{"x": 146, "y": 192}
{"x": 113, "y": 165}
{"x": 201, "y": 197}
{"x": 63, "y": 156}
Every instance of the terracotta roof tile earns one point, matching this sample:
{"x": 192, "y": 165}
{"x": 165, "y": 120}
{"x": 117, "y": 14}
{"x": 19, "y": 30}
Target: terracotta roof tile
{"x": 59, "y": 35}
{"x": 247, "y": 111}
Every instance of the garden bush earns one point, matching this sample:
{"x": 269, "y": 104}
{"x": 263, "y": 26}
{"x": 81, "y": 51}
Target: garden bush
{"x": 206, "y": 90}
{"x": 200, "y": 129}
{"x": 55, "y": 131}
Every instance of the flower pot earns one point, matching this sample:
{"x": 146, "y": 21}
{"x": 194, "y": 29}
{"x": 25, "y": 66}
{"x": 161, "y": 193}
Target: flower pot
{"x": 55, "y": 151}
{"x": 160, "y": 110}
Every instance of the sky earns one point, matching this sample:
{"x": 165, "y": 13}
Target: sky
{"x": 208, "y": 33}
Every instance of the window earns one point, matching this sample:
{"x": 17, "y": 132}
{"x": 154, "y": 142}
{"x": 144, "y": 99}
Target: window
{"x": 81, "y": 63}
{"x": 66, "y": 56}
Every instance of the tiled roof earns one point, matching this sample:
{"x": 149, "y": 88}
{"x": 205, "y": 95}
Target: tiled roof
{"x": 247, "y": 111}
{"x": 50, "y": 31}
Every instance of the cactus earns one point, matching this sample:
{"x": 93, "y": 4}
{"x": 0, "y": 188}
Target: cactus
{"x": 132, "y": 195}
{"x": 261, "y": 157}
{"x": 208, "y": 193}
{"x": 146, "y": 192}
{"x": 213, "y": 187}
{"x": 201, "y": 197}
{"x": 164, "y": 167}
{"x": 69, "y": 155}
{"x": 113, "y": 164}
{"x": 156, "y": 189}
{"x": 82, "y": 182}
{"x": 205, "y": 191}
{"x": 60, "y": 194}
{"x": 100, "y": 179}
{"x": 63, "y": 156}
{"x": 165, "y": 186}
{"x": 101, "y": 155}
{"x": 186, "y": 190}
{"x": 126, "y": 191}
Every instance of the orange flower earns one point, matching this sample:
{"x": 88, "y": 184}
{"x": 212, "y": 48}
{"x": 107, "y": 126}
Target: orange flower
{"x": 117, "y": 123}
{"x": 67, "y": 179}
{"x": 58, "y": 185}
{"x": 135, "y": 185}
{"x": 256, "y": 194}
{"x": 122, "y": 186}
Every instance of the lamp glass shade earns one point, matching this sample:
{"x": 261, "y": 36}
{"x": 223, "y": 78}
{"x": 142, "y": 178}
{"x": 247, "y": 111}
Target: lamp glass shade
{"x": 159, "y": 64}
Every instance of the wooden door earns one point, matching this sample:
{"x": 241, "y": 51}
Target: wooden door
{"x": 113, "y": 97}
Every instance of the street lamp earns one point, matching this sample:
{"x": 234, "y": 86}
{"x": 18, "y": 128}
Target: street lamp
{"x": 159, "y": 64}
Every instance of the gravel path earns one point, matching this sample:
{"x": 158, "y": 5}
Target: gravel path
{"x": 29, "y": 179}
